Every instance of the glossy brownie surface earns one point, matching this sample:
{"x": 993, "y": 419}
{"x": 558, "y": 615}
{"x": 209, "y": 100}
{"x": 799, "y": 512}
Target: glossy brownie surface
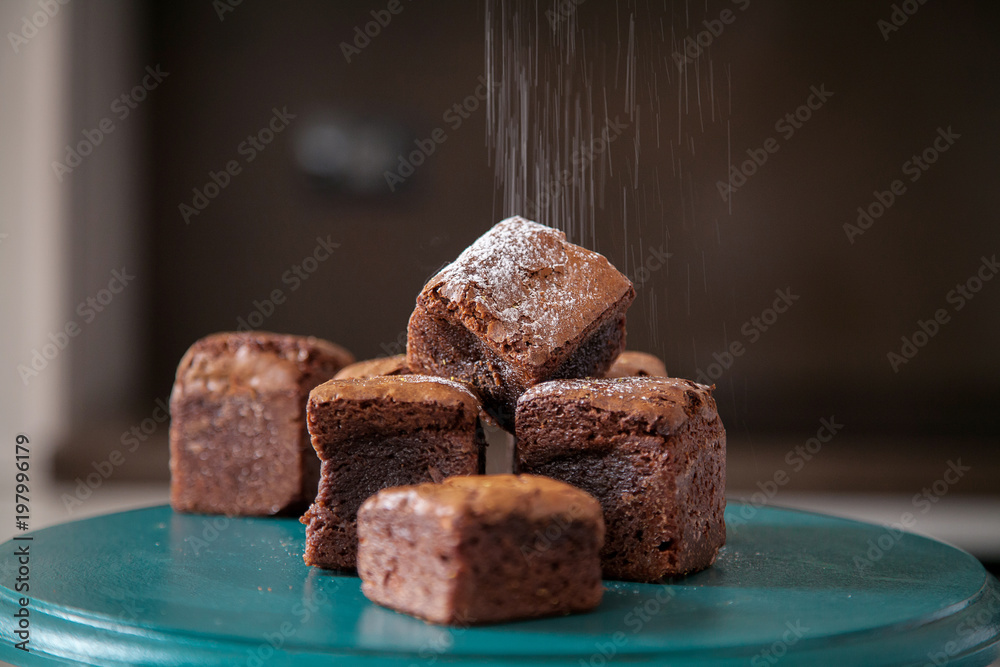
{"x": 631, "y": 363}
{"x": 394, "y": 365}
{"x": 490, "y": 498}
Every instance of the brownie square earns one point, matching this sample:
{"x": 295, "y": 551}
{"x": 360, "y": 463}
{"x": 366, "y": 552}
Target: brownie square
{"x": 483, "y": 549}
{"x": 394, "y": 365}
{"x": 636, "y": 364}
{"x": 238, "y": 439}
{"x": 499, "y": 442}
{"x": 651, "y": 450}
{"x": 519, "y": 306}
{"x": 378, "y": 432}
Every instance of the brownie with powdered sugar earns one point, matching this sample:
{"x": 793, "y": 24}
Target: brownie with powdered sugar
{"x": 652, "y": 450}
{"x": 520, "y": 306}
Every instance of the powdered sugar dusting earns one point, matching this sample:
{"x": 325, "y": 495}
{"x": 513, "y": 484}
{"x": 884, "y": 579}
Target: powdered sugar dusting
{"x": 527, "y": 290}
{"x": 642, "y": 388}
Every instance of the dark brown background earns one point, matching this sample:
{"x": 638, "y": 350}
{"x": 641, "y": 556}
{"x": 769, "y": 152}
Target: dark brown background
{"x": 826, "y": 356}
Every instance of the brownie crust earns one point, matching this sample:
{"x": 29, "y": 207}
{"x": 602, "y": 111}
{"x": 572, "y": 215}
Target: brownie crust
{"x": 482, "y": 549}
{"x": 520, "y": 306}
{"x": 394, "y": 365}
{"x": 378, "y": 432}
{"x": 651, "y": 450}
{"x": 238, "y": 438}
{"x": 631, "y": 363}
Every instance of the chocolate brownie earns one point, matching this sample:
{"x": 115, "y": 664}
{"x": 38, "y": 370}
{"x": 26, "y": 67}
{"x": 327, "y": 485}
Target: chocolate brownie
{"x": 519, "y": 306}
{"x": 635, "y": 364}
{"x": 238, "y": 439}
{"x": 373, "y": 433}
{"x": 483, "y": 549}
{"x": 499, "y": 442}
{"x": 394, "y": 365}
{"x": 651, "y": 450}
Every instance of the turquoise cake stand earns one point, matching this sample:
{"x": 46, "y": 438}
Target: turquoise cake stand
{"x": 151, "y": 587}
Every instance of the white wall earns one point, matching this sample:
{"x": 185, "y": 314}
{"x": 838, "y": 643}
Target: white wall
{"x": 34, "y": 85}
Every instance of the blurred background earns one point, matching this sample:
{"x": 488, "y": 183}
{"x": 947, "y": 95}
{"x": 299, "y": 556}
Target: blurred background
{"x": 802, "y": 193}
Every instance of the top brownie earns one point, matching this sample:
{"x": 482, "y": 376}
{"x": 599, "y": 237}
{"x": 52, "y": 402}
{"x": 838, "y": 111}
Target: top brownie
{"x": 519, "y": 306}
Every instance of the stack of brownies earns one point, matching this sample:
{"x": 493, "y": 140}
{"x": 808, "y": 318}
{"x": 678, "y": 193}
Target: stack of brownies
{"x": 621, "y": 469}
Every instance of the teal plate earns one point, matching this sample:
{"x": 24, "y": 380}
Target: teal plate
{"x": 151, "y": 587}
